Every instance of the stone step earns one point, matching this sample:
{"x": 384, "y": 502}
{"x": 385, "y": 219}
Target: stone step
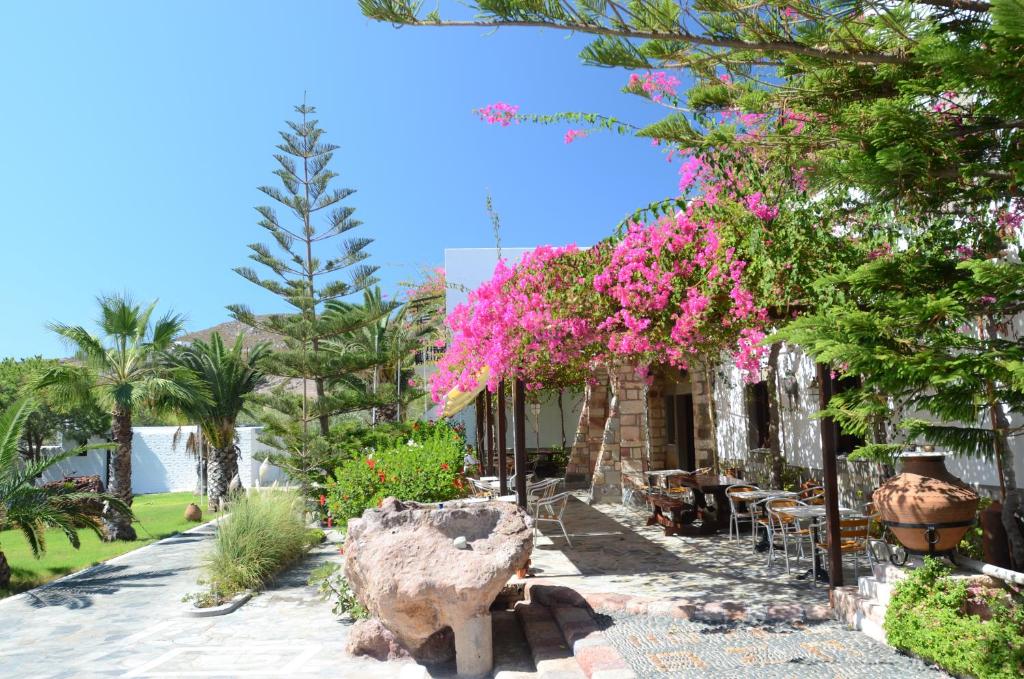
{"x": 887, "y": 573}
{"x": 552, "y": 656}
{"x": 854, "y": 609}
{"x": 511, "y": 653}
{"x": 872, "y": 588}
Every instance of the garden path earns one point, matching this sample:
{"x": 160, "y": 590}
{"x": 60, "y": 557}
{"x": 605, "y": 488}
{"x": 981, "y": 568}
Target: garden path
{"x": 124, "y": 618}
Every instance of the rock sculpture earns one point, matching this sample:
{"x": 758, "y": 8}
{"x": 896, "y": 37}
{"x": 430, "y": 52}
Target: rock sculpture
{"x": 403, "y": 565}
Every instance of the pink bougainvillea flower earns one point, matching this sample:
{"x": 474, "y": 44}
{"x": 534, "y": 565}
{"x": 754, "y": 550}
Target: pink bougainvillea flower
{"x": 499, "y": 114}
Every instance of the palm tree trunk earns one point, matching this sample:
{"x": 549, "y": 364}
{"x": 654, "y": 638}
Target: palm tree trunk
{"x": 5, "y": 571}
{"x": 221, "y": 468}
{"x": 118, "y": 526}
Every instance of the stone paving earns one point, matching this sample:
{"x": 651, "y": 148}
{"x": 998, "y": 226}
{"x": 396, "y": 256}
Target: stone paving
{"x": 125, "y": 618}
{"x": 659, "y": 647}
{"x": 614, "y": 551}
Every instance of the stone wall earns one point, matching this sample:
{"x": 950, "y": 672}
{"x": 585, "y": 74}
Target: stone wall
{"x": 704, "y": 443}
{"x": 586, "y": 447}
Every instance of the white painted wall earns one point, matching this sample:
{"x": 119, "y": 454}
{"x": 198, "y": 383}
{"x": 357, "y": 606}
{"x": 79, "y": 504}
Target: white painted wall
{"x": 801, "y": 438}
{"x": 160, "y": 464}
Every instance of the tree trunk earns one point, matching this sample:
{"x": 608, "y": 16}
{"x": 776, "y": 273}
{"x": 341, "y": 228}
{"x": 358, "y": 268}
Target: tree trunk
{"x": 776, "y": 464}
{"x": 221, "y": 468}
{"x": 5, "y": 572}
{"x": 561, "y": 416}
{"x": 117, "y": 525}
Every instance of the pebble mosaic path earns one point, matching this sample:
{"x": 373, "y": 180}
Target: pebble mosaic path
{"x": 659, "y": 648}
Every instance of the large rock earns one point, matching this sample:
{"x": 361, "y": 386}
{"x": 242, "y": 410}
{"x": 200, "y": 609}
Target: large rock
{"x": 403, "y": 566}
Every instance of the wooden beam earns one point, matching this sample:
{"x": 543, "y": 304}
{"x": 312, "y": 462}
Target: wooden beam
{"x": 519, "y": 436}
{"x": 478, "y": 407}
{"x": 502, "y": 440}
{"x": 831, "y": 480}
{"x": 489, "y": 430}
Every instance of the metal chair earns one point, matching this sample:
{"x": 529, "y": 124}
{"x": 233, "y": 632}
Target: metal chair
{"x": 539, "y": 491}
{"x": 735, "y": 514}
{"x": 550, "y": 510}
{"x": 853, "y": 539}
{"x": 787, "y": 526}
{"x": 480, "y": 488}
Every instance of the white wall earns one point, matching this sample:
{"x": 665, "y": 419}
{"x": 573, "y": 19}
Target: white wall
{"x": 160, "y": 464}
{"x": 800, "y": 434}
{"x": 550, "y": 428}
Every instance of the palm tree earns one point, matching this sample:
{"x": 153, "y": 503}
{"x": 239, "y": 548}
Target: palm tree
{"x": 229, "y": 376}
{"x": 32, "y": 509}
{"x": 122, "y": 370}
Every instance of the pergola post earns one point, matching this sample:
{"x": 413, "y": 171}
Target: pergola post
{"x": 502, "y": 438}
{"x": 489, "y": 429}
{"x": 478, "y": 406}
{"x": 519, "y": 438}
{"x": 831, "y": 480}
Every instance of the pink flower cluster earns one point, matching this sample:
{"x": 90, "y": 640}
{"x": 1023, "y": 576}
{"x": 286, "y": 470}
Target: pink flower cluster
{"x": 755, "y": 203}
{"x": 500, "y": 113}
{"x": 573, "y": 135}
{"x": 656, "y": 86}
{"x": 528, "y": 321}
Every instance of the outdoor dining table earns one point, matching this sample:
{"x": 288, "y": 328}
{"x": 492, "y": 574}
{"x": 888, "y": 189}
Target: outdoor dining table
{"x": 682, "y": 516}
{"x": 762, "y": 493}
{"x": 813, "y": 513}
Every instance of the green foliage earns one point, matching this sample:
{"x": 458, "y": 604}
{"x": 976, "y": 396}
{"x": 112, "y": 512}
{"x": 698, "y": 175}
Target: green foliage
{"x": 338, "y": 359}
{"x": 229, "y": 375}
{"x": 427, "y": 468}
{"x": 922, "y": 333}
{"x": 120, "y": 369}
{"x": 972, "y": 544}
{"x": 77, "y": 422}
{"x": 32, "y": 509}
{"x": 264, "y": 532}
{"x": 157, "y": 516}
{"x": 926, "y": 617}
{"x": 331, "y": 584}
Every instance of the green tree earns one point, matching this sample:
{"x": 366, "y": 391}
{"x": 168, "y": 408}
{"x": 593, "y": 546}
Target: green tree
{"x": 317, "y": 386}
{"x": 121, "y": 369}
{"x": 916, "y": 99}
{"x": 926, "y": 335}
{"x": 230, "y": 376}
{"x": 30, "y": 508}
{"x": 47, "y": 421}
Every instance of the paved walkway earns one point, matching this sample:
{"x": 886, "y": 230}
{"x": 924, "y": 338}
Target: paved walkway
{"x": 124, "y": 619}
{"x": 614, "y": 551}
{"x": 663, "y": 648}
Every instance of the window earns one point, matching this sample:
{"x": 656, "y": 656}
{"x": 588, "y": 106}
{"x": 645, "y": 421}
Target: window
{"x": 758, "y": 415}
{"x": 845, "y": 443}
{"x": 670, "y": 419}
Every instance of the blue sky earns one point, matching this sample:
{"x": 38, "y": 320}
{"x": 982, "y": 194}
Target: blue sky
{"x": 136, "y": 134}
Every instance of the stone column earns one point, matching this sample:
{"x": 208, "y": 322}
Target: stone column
{"x": 586, "y": 448}
{"x": 703, "y": 419}
{"x": 606, "y": 485}
{"x": 657, "y": 423}
{"x": 474, "y": 653}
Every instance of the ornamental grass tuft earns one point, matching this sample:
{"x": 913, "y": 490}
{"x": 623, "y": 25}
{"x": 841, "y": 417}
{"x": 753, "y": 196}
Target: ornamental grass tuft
{"x": 264, "y": 532}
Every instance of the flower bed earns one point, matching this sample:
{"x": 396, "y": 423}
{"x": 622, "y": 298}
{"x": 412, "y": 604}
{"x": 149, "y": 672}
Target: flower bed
{"x": 426, "y": 468}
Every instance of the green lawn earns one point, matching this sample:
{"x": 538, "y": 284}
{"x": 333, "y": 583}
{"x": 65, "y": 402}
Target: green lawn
{"x": 156, "y": 516}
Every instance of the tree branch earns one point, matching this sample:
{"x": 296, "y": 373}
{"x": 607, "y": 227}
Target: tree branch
{"x": 730, "y": 43}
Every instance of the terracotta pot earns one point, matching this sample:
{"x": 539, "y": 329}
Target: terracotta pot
{"x": 193, "y": 512}
{"x": 926, "y": 495}
{"x": 993, "y": 536}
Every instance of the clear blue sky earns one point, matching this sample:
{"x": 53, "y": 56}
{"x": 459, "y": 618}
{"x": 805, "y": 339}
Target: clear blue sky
{"x": 136, "y": 133}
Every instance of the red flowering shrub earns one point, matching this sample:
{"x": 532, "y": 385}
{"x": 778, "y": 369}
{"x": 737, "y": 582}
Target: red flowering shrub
{"x": 423, "y": 471}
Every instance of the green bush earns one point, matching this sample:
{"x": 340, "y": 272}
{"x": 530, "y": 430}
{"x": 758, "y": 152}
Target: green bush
{"x": 425, "y": 468}
{"x": 331, "y": 584}
{"x": 926, "y": 617}
{"x": 263, "y": 533}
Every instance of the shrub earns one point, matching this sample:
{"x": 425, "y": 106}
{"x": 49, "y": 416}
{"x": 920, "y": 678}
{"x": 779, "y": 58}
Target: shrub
{"x": 425, "y": 468}
{"x": 263, "y": 533}
{"x": 331, "y": 584}
{"x": 926, "y": 617}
